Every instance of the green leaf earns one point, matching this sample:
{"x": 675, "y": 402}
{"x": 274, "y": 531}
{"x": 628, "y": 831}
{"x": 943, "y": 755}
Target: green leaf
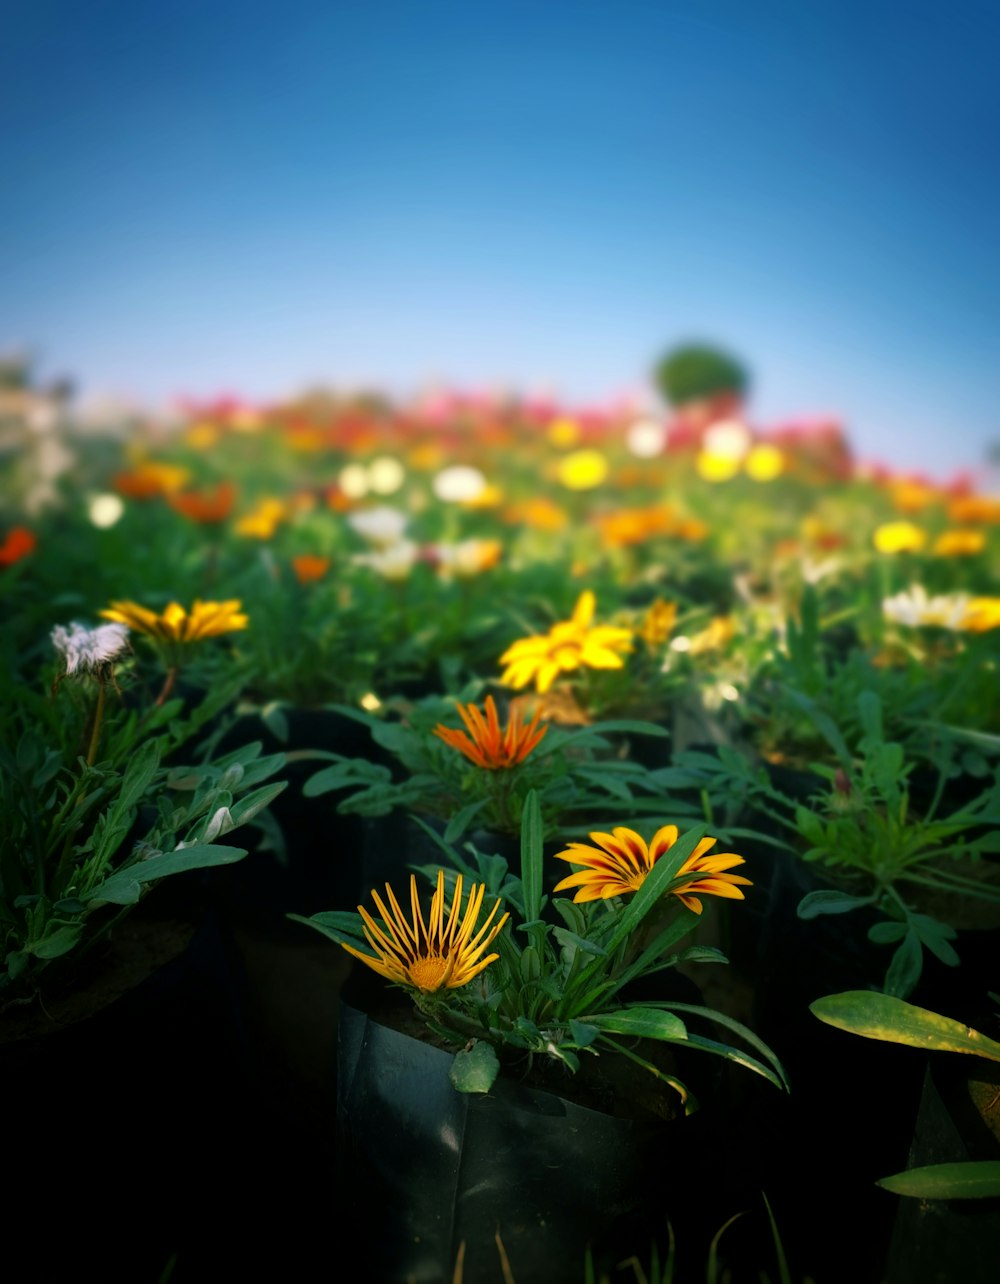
{"x": 249, "y": 806}
{"x": 273, "y": 717}
{"x": 532, "y": 839}
{"x": 139, "y": 774}
{"x": 344, "y": 774}
{"x": 893, "y": 1020}
{"x": 474, "y": 1069}
{"x": 338, "y": 925}
{"x": 124, "y": 887}
{"x": 906, "y": 966}
{"x": 459, "y": 823}
{"x": 565, "y": 937}
{"x": 641, "y": 1023}
{"x": 584, "y": 1033}
{"x": 829, "y": 901}
{"x": 810, "y": 826}
{"x": 738, "y": 1028}
{"x": 870, "y": 713}
{"x": 57, "y": 943}
{"x": 887, "y": 933}
{"x": 737, "y": 1057}
{"x": 968, "y": 1179}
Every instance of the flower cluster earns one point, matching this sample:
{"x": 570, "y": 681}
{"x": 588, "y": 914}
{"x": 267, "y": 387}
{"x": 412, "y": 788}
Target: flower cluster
{"x": 559, "y": 984}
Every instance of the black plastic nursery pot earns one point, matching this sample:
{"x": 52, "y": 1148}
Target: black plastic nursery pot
{"x": 937, "y": 1241}
{"x": 520, "y": 1177}
{"x": 124, "y": 1098}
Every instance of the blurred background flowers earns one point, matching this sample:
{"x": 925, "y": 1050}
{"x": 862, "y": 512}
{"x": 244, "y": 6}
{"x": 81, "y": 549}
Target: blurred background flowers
{"x": 210, "y": 209}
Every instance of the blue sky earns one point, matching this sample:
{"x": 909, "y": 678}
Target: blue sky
{"x": 202, "y": 198}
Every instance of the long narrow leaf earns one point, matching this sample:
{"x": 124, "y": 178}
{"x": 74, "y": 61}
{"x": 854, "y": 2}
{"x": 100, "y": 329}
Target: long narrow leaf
{"x": 893, "y": 1020}
{"x": 968, "y": 1179}
{"x": 531, "y": 856}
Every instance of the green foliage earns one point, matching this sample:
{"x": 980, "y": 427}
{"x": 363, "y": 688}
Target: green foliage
{"x": 100, "y": 798}
{"x": 559, "y": 989}
{"x": 879, "y": 842}
{"x": 576, "y": 772}
{"x": 891, "y": 1020}
{"x": 695, "y": 371}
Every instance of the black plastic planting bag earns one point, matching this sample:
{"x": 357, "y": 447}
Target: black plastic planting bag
{"x": 423, "y": 1169}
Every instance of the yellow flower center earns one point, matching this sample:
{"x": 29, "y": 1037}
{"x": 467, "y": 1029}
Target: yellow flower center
{"x": 430, "y": 973}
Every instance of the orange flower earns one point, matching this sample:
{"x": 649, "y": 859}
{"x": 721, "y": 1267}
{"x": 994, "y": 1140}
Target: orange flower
{"x": 635, "y": 525}
{"x": 489, "y": 746}
{"x": 974, "y": 508}
{"x": 540, "y": 513}
{"x": 691, "y": 528}
{"x": 149, "y": 480}
{"x": 308, "y": 567}
{"x": 911, "y": 496}
{"x": 959, "y": 543}
{"x": 983, "y": 615}
{"x": 19, "y": 543}
{"x": 205, "y": 506}
{"x": 622, "y": 860}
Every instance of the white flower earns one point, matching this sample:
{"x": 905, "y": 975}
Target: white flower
{"x": 646, "y": 438}
{"x": 381, "y": 526}
{"x": 459, "y": 484}
{"x": 86, "y": 650}
{"x": 394, "y": 562}
{"x": 914, "y": 608}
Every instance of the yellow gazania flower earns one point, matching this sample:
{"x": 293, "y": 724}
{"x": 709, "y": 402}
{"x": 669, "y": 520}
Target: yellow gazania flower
{"x": 765, "y": 462}
{"x": 658, "y": 623}
{"x": 435, "y": 955}
{"x": 582, "y": 470}
{"x": 489, "y": 746}
{"x": 571, "y": 644}
{"x": 983, "y": 614}
{"x": 263, "y": 519}
{"x": 721, "y": 630}
{"x": 715, "y": 466}
{"x": 175, "y": 624}
{"x": 959, "y": 543}
{"x": 899, "y": 537}
{"x": 620, "y": 862}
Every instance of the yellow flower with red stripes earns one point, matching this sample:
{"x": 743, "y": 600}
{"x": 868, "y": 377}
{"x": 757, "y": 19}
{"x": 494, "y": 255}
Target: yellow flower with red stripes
{"x": 618, "y": 864}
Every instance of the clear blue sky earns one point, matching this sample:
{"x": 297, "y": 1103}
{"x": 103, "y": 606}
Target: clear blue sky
{"x": 205, "y": 197}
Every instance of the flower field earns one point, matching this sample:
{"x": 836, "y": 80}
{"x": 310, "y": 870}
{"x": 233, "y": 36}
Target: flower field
{"x": 593, "y": 626}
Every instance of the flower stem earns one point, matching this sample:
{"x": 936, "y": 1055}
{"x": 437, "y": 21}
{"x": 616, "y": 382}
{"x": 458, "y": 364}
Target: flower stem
{"x": 98, "y": 723}
{"x": 168, "y": 686}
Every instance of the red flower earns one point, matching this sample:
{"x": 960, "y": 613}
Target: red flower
{"x": 19, "y": 543}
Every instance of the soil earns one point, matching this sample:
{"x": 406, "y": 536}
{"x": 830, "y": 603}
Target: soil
{"x": 142, "y": 942}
